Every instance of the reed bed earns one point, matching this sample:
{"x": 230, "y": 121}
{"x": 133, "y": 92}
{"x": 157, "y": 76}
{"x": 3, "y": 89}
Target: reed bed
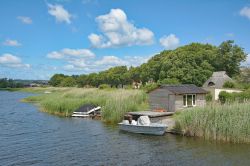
{"x": 115, "y": 103}
{"x": 228, "y": 122}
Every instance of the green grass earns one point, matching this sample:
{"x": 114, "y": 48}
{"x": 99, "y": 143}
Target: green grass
{"x": 114, "y": 102}
{"x": 229, "y": 122}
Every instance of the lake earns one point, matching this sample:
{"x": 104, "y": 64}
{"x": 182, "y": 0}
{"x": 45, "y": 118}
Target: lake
{"x": 31, "y": 137}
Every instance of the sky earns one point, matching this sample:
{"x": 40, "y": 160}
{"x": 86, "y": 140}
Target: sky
{"x": 43, "y": 37}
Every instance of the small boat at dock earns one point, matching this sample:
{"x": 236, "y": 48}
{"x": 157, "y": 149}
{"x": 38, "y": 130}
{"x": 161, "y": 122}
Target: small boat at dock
{"x": 143, "y": 126}
{"x": 87, "y": 110}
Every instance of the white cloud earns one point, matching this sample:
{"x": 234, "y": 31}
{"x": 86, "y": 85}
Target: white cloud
{"x": 111, "y": 60}
{"x": 170, "y": 41}
{"x": 84, "y": 53}
{"x": 61, "y": 14}
{"x": 70, "y": 53}
{"x": 85, "y": 61}
{"x": 24, "y": 19}
{"x": 55, "y": 55}
{"x": 118, "y": 31}
{"x": 245, "y": 12}
{"x": 136, "y": 60}
{"x": 10, "y": 60}
{"x": 9, "y": 42}
{"x": 230, "y": 34}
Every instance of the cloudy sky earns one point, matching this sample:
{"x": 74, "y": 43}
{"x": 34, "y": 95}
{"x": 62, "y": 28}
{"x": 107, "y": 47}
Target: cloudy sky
{"x": 43, "y": 37}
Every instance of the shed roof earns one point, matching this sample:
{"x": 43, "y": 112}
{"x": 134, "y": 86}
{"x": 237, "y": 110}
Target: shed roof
{"x": 184, "y": 89}
{"x": 217, "y": 80}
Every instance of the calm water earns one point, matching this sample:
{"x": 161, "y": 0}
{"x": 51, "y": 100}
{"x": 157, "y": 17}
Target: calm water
{"x": 30, "y": 137}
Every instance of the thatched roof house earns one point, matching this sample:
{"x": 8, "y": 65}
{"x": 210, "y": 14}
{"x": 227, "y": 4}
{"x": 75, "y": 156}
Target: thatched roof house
{"x": 175, "y": 97}
{"x": 217, "y": 80}
{"x": 215, "y": 84}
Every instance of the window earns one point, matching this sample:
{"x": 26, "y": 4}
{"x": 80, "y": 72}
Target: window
{"x": 189, "y": 100}
{"x": 194, "y": 99}
{"x": 184, "y": 100}
{"x": 211, "y": 84}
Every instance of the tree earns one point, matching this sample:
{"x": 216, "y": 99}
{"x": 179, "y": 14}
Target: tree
{"x": 68, "y": 82}
{"x": 190, "y": 64}
{"x": 229, "y": 57}
{"x": 81, "y": 80}
{"x": 56, "y": 79}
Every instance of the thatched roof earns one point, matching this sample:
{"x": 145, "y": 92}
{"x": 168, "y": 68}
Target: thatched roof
{"x": 217, "y": 80}
{"x": 184, "y": 89}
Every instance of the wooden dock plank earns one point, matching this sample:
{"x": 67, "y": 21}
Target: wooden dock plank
{"x": 151, "y": 114}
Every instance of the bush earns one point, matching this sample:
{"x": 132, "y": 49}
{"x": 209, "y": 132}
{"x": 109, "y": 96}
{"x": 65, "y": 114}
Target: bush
{"x": 223, "y": 97}
{"x": 104, "y": 86}
{"x": 226, "y": 97}
{"x": 229, "y": 84}
{"x": 149, "y": 87}
{"x": 171, "y": 81}
{"x": 209, "y": 97}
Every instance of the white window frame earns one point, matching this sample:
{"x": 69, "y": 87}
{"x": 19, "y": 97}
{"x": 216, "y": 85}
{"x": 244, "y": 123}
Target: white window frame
{"x": 193, "y": 105}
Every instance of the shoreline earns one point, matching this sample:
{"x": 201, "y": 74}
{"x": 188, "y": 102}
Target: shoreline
{"x": 204, "y": 122}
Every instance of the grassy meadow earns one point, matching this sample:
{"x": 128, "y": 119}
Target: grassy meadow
{"x": 228, "y": 122}
{"x": 64, "y": 101}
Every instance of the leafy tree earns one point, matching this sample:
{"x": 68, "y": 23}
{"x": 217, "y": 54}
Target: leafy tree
{"x": 81, "y": 80}
{"x": 68, "y": 82}
{"x": 57, "y": 79}
{"x": 189, "y": 64}
{"x": 170, "y": 81}
{"x": 229, "y": 57}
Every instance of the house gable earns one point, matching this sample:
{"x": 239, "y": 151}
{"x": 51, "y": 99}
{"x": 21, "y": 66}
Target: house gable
{"x": 217, "y": 80}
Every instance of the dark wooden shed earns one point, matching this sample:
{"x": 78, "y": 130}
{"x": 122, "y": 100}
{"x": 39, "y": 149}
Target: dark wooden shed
{"x": 177, "y": 97}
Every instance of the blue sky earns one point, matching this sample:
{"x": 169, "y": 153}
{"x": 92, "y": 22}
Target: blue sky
{"x": 41, "y": 38}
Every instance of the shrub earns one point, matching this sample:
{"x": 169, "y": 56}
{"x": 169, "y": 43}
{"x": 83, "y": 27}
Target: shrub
{"x": 209, "y": 97}
{"x": 149, "y": 87}
{"x": 171, "y": 81}
{"x": 104, "y": 86}
{"x": 228, "y": 84}
{"x": 225, "y": 97}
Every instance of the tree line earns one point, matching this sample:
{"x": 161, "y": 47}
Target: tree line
{"x": 189, "y": 64}
{"x": 9, "y": 83}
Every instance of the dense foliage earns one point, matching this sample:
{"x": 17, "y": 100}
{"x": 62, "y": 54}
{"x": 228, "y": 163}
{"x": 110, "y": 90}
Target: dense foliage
{"x": 241, "y": 97}
{"x": 228, "y": 84}
{"x": 9, "y": 83}
{"x": 190, "y": 64}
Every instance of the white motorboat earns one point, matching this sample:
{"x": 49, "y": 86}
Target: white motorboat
{"x": 143, "y": 128}
{"x": 87, "y": 110}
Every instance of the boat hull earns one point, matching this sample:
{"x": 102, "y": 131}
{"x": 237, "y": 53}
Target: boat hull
{"x": 154, "y": 129}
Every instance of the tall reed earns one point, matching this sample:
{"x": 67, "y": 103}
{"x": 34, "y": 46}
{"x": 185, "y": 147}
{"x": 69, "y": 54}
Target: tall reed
{"x": 228, "y": 122}
{"x": 115, "y": 103}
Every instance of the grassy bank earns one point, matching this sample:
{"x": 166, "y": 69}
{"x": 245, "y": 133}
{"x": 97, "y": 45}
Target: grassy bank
{"x": 230, "y": 122}
{"x": 114, "y": 103}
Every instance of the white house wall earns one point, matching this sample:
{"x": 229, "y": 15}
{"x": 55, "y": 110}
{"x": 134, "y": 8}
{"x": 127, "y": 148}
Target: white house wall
{"x": 217, "y": 92}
